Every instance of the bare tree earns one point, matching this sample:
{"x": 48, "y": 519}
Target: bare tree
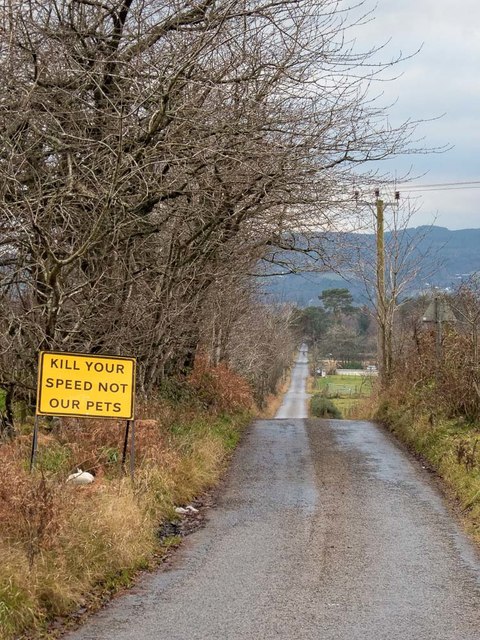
{"x": 145, "y": 143}
{"x": 403, "y": 258}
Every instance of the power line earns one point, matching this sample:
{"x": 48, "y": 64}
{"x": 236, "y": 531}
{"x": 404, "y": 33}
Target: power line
{"x": 440, "y": 189}
{"x": 437, "y": 186}
{"x": 441, "y": 186}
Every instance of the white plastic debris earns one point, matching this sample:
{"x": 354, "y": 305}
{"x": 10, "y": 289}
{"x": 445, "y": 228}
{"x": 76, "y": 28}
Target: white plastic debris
{"x": 186, "y": 510}
{"x": 81, "y": 477}
{"x": 191, "y": 509}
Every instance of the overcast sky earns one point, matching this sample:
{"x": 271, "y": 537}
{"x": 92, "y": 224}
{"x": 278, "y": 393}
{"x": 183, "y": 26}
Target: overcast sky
{"x": 443, "y": 78}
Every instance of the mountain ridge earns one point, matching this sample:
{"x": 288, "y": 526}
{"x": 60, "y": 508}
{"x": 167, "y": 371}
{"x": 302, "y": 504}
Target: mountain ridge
{"x": 444, "y": 258}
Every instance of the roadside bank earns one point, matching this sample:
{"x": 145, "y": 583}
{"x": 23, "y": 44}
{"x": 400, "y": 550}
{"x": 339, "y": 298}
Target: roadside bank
{"x": 65, "y": 549}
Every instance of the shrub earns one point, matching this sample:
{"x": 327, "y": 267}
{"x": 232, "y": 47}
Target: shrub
{"x": 322, "y": 407}
{"x": 219, "y": 388}
{"x": 351, "y": 364}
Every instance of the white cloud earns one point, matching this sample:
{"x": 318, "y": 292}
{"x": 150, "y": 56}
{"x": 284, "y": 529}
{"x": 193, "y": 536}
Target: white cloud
{"x": 441, "y": 78}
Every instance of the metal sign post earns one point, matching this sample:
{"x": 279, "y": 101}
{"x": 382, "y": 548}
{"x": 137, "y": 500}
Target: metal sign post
{"x": 34, "y": 444}
{"x": 125, "y": 444}
{"x": 129, "y": 431}
{"x": 132, "y": 451}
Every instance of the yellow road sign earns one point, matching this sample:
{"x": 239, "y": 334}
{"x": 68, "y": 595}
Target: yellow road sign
{"x": 78, "y": 384}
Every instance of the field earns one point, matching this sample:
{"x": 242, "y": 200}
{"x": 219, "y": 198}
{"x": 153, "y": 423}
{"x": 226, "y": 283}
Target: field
{"x": 348, "y": 393}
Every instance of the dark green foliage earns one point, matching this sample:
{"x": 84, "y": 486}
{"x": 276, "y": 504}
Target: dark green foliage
{"x": 322, "y": 407}
{"x": 364, "y": 320}
{"x": 351, "y": 364}
{"x": 312, "y": 323}
{"x": 176, "y": 390}
{"x": 337, "y": 301}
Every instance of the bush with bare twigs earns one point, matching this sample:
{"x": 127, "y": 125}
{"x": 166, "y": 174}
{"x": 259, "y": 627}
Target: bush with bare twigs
{"x": 433, "y": 398}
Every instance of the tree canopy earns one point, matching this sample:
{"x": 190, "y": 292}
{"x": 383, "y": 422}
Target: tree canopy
{"x": 154, "y": 153}
{"x": 337, "y": 301}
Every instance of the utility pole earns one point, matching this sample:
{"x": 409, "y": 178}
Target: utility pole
{"x": 438, "y": 331}
{"x": 383, "y": 301}
{"x": 380, "y": 293}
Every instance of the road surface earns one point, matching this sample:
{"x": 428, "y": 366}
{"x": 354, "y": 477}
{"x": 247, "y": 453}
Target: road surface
{"x": 294, "y": 404}
{"x": 326, "y": 530}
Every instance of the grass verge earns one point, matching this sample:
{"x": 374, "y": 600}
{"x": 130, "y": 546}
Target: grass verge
{"x": 62, "y": 545}
{"x": 274, "y": 400}
{"x": 59, "y": 541}
{"x": 450, "y": 446}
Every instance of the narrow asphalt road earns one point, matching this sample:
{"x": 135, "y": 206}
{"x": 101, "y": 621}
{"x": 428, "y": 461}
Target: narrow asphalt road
{"x": 325, "y": 530}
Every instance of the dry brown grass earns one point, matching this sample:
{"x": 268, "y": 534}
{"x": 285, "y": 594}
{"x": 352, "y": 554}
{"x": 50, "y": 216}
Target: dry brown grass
{"x": 58, "y": 542}
{"x": 434, "y": 408}
{"x": 273, "y": 401}
{"x": 219, "y": 387}
{"x": 67, "y": 540}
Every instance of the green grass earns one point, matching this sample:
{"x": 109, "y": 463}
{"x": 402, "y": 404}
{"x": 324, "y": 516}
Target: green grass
{"x": 224, "y": 428}
{"x": 322, "y": 407}
{"x": 346, "y": 406}
{"x": 16, "y": 609}
{"x": 450, "y": 446}
{"x": 54, "y": 459}
{"x": 346, "y": 392}
{"x": 345, "y": 386}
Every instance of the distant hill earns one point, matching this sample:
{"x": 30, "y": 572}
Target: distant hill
{"x": 444, "y": 257}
